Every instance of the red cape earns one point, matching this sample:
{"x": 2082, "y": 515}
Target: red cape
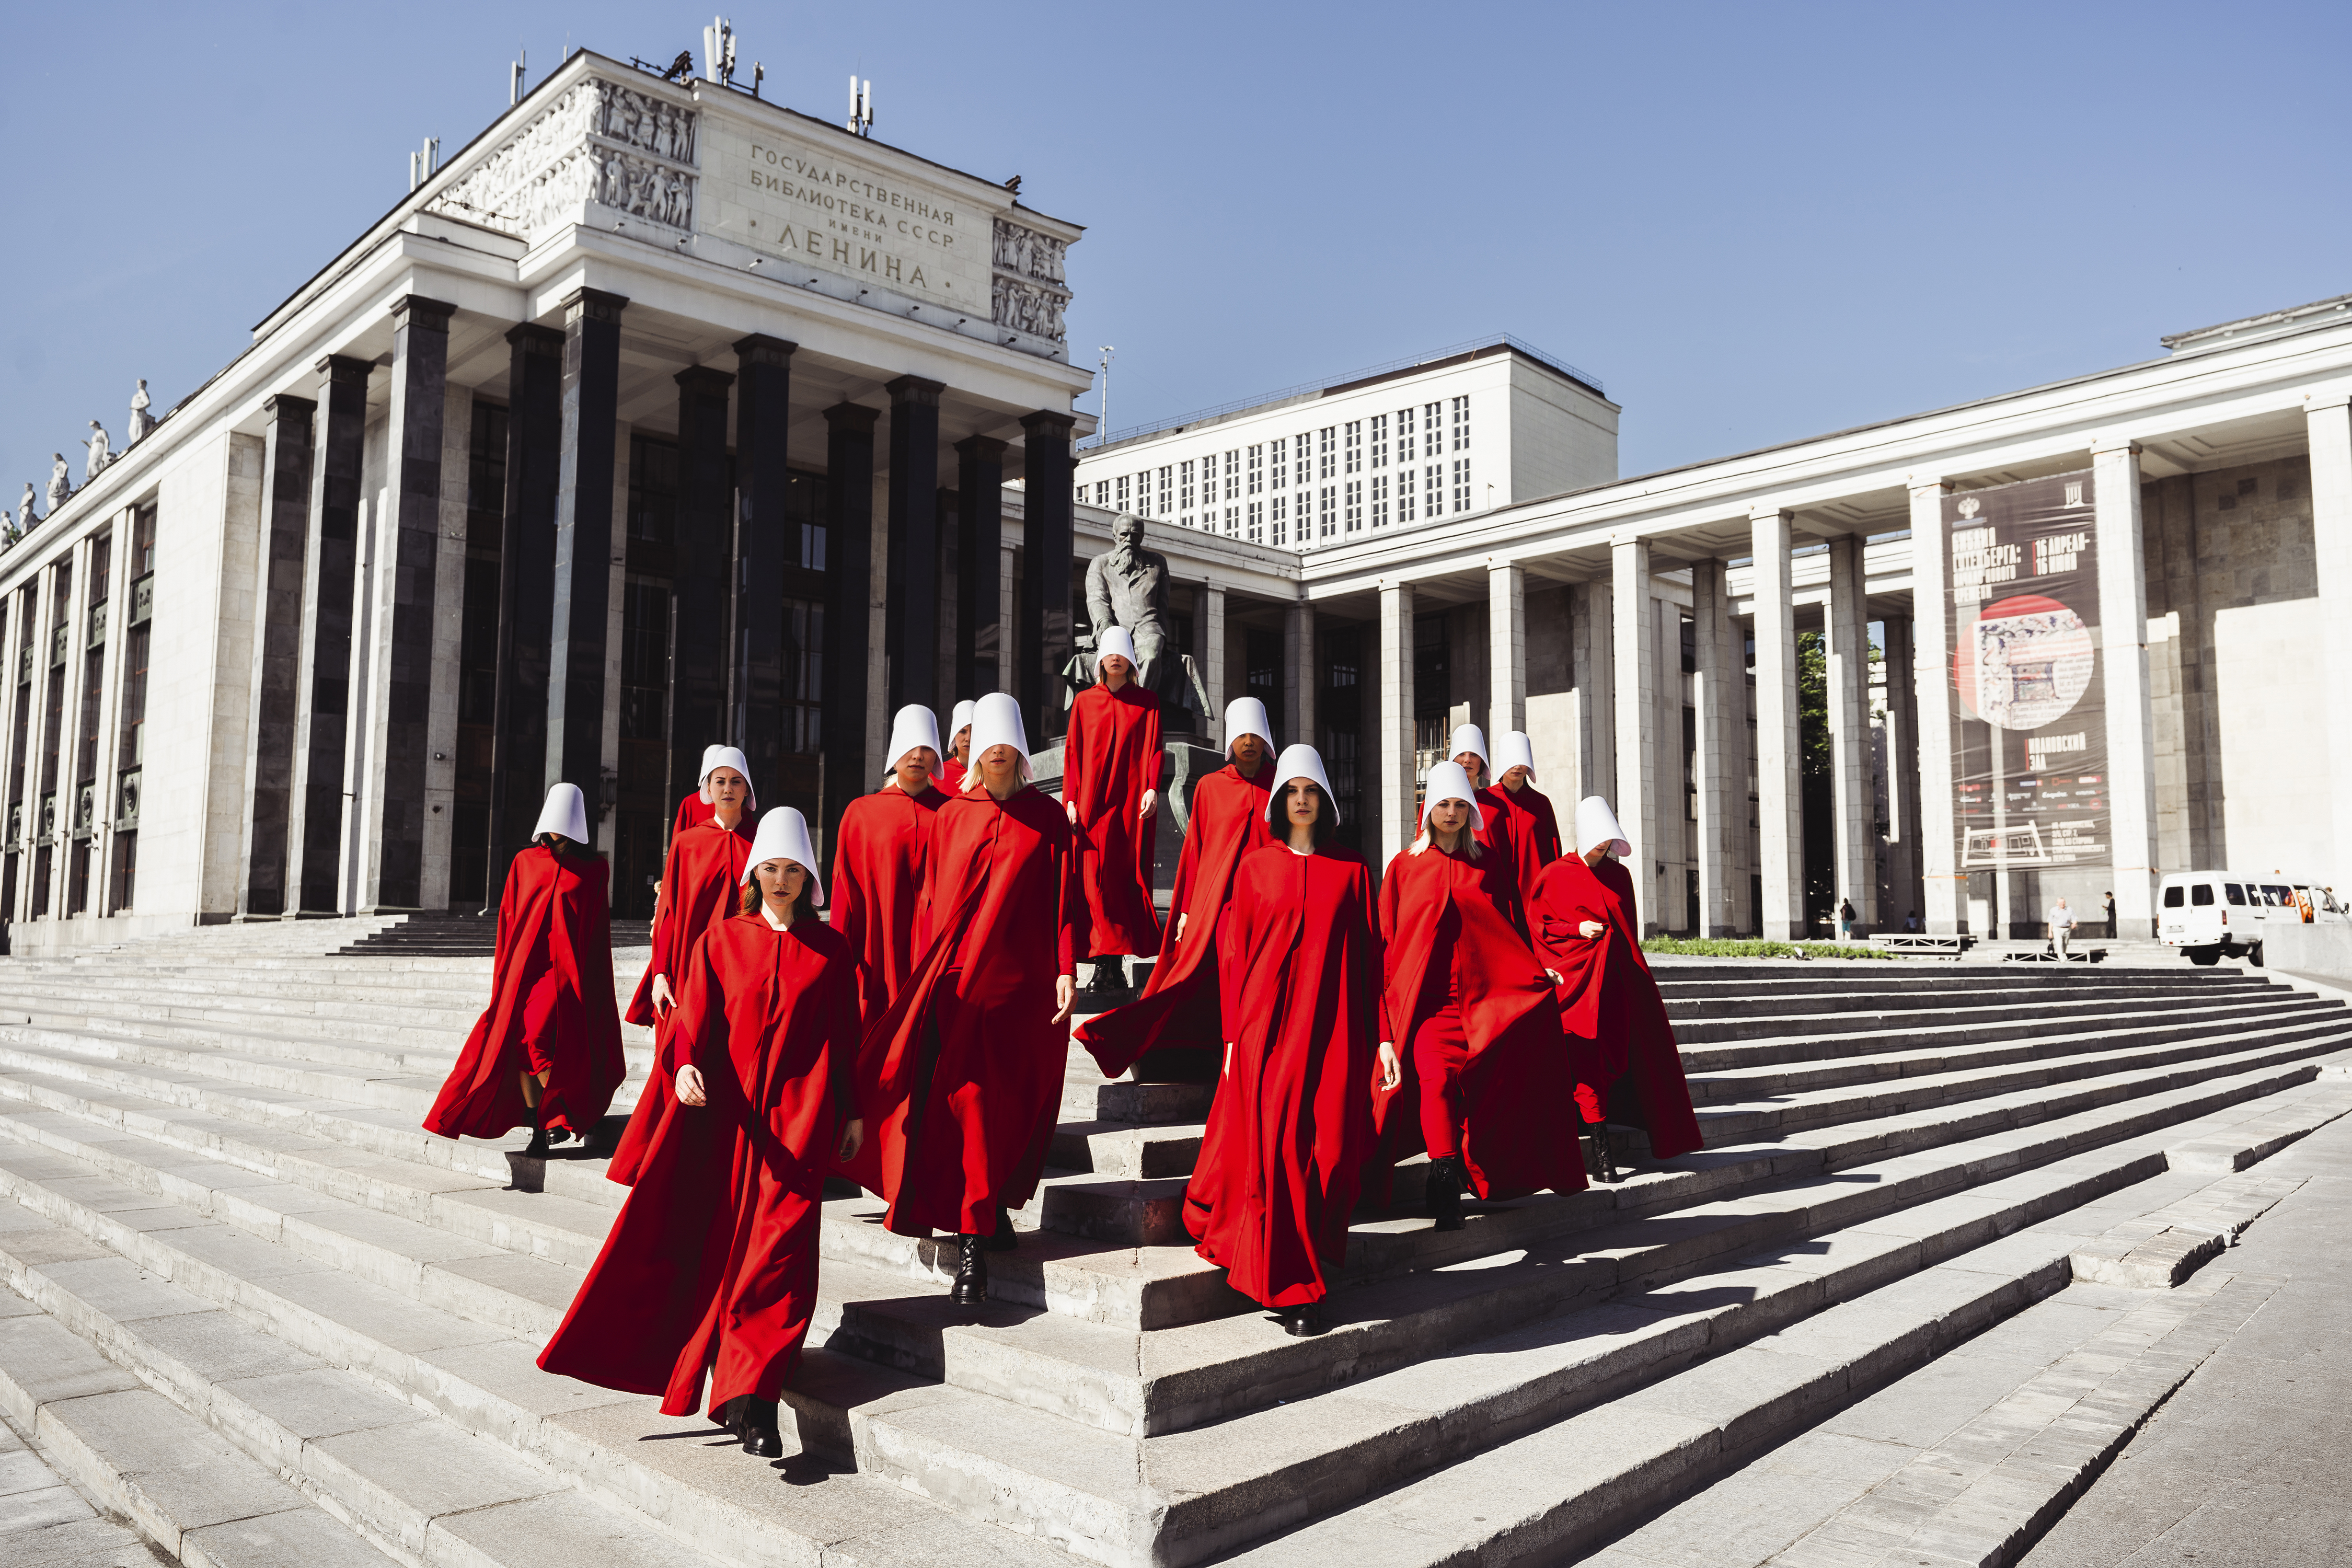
{"x": 1520, "y": 1128}
{"x": 673, "y": 939}
{"x": 1495, "y": 834}
{"x": 952, "y": 774}
{"x": 715, "y": 1251}
{"x": 1533, "y": 832}
{"x": 692, "y": 811}
{"x": 961, "y": 1076}
{"x": 1110, "y": 756}
{"x": 1619, "y": 1043}
{"x": 1283, "y": 1157}
{"x": 879, "y": 859}
{"x": 1179, "y": 1004}
{"x": 551, "y": 1006}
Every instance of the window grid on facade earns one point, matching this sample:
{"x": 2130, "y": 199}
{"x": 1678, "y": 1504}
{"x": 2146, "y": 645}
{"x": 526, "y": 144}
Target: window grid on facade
{"x": 1461, "y": 484}
{"x": 1326, "y": 518}
{"x": 1324, "y": 450}
{"x": 1405, "y": 496}
{"x": 1122, "y": 492}
{"x": 1303, "y": 460}
{"x": 1164, "y": 472}
{"x": 1185, "y": 493}
{"x": 1257, "y": 535}
{"x": 1279, "y": 459}
{"x": 1355, "y": 446}
{"x": 1461, "y": 424}
{"x": 1433, "y": 429}
{"x": 1432, "y": 491}
{"x": 1234, "y": 476}
{"x": 1281, "y": 519}
{"x": 1380, "y": 440}
{"x": 1102, "y": 492}
{"x": 1404, "y": 435}
{"x": 1355, "y": 515}
{"x": 1232, "y": 521}
{"x": 1380, "y": 500}
{"x": 1256, "y": 470}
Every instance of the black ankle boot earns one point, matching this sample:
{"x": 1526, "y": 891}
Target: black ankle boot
{"x": 1446, "y": 1180}
{"x": 537, "y": 1148}
{"x": 730, "y": 1416}
{"x": 1004, "y": 1238}
{"x": 1599, "y": 1162}
{"x": 761, "y": 1438}
{"x": 1303, "y": 1322}
{"x": 972, "y": 1272}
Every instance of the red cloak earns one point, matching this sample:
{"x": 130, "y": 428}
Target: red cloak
{"x": 952, "y": 774}
{"x": 1179, "y": 1000}
{"x": 1620, "y": 1044}
{"x": 1110, "y": 756}
{"x": 1495, "y": 834}
{"x": 692, "y": 811}
{"x": 1533, "y": 831}
{"x": 551, "y": 1006}
{"x": 713, "y": 1260}
{"x": 1519, "y": 1131}
{"x": 877, "y": 880}
{"x": 961, "y": 1076}
{"x": 1283, "y": 1157}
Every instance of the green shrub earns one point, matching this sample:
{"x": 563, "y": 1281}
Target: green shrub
{"x": 1718, "y": 947}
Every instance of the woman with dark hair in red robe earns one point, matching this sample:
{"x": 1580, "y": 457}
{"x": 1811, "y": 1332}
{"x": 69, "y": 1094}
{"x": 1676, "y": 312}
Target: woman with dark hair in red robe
{"x": 546, "y": 1052}
{"x": 1485, "y": 1079}
{"x": 1491, "y": 819}
{"x": 1621, "y": 1046}
{"x": 961, "y": 1077}
{"x": 1529, "y": 822}
{"x": 1283, "y": 1156}
{"x": 1174, "y": 1022}
{"x": 1110, "y": 792}
{"x": 712, "y": 1265}
{"x": 878, "y": 858}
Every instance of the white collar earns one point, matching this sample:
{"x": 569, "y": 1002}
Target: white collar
{"x": 770, "y": 916}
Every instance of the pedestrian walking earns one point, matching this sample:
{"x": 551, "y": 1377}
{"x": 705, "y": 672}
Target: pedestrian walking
{"x": 2062, "y": 930}
{"x": 1845, "y": 918}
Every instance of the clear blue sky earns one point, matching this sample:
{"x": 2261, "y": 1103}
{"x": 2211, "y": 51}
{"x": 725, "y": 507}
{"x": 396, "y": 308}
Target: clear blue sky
{"x": 1752, "y": 222}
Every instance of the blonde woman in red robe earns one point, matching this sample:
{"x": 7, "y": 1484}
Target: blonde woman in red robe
{"x": 1486, "y": 1080}
{"x": 1621, "y": 1046}
{"x": 1529, "y": 824}
{"x": 957, "y": 764}
{"x": 546, "y": 1052}
{"x": 733, "y": 773}
{"x": 712, "y": 1269}
{"x": 1176, "y": 1018}
{"x": 961, "y": 1077}
{"x": 879, "y": 859}
{"x": 1111, "y": 791}
{"x": 1283, "y": 1155}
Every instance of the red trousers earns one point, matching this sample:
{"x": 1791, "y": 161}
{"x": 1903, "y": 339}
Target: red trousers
{"x": 1439, "y": 1049}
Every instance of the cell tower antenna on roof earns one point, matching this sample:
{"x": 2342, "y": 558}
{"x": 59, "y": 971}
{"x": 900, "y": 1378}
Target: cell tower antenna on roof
{"x": 719, "y": 51}
{"x": 515, "y": 77}
{"x": 861, "y": 106}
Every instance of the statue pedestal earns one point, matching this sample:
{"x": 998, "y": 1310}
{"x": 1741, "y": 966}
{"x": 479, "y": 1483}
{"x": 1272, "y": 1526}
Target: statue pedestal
{"x": 1189, "y": 761}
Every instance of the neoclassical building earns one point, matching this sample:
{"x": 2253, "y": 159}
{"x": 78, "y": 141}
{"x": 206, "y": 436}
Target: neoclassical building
{"x": 663, "y": 414}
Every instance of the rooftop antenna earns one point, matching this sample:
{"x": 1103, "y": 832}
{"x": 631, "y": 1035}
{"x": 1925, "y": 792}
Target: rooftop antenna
{"x": 758, "y": 75}
{"x": 719, "y": 51}
{"x": 515, "y": 77}
{"x": 861, "y": 106}
{"x": 1102, "y": 430}
{"x": 422, "y": 162}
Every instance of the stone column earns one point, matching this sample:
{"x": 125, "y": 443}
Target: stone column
{"x": 1298, "y": 671}
{"x": 1047, "y": 516}
{"x": 1212, "y": 656}
{"x": 1633, "y": 622}
{"x": 764, "y": 541}
{"x": 910, "y": 638}
{"x": 1931, "y": 637}
{"x": 1393, "y": 742}
{"x": 1780, "y": 804}
{"x": 1720, "y": 687}
{"x": 2328, "y": 427}
{"x": 526, "y": 594}
{"x": 702, "y": 577}
{"x": 980, "y": 539}
{"x": 314, "y": 828}
{"x": 1595, "y": 648}
{"x": 1507, "y": 649}
{"x": 277, "y": 654}
{"x": 849, "y": 564}
{"x": 2123, "y": 651}
{"x": 1853, "y": 830}
{"x": 583, "y": 545}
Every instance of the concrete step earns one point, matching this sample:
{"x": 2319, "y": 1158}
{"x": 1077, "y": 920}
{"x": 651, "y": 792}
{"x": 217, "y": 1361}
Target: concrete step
{"x": 47, "y": 1522}
{"x": 1835, "y": 1016}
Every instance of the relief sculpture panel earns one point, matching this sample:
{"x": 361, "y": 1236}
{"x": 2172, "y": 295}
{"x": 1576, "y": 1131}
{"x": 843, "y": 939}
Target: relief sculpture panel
{"x": 1031, "y": 290}
{"x": 549, "y": 170}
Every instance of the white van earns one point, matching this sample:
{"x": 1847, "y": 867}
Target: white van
{"x": 2211, "y": 915}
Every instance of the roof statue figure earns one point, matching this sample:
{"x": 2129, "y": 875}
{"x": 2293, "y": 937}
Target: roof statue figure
{"x": 25, "y": 517}
{"x": 60, "y": 482}
{"x": 99, "y": 456}
{"x": 140, "y": 420}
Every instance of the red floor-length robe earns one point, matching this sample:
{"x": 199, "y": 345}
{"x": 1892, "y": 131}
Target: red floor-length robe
{"x": 952, "y": 774}
{"x": 1532, "y": 831}
{"x": 877, "y": 879}
{"x": 1494, "y": 823}
{"x": 1621, "y": 1046}
{"x": 1110, "y": 756}
{"x": 1519, "y": 1126}
{"x": 961, "y": 1076}
{"x": 1283, "y": 1156}
{"x": 1178, "y": 1006}
{"x": 692, "y": 812}
{"x": 713, "y": 1260}
{"x": 550, "y": 1007}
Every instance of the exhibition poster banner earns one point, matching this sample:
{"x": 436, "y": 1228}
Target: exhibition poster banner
{"x": 2030, "y": 741}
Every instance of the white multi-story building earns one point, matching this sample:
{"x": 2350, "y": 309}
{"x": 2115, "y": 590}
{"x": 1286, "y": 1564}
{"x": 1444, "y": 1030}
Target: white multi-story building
{"x": 1464, "y": 430}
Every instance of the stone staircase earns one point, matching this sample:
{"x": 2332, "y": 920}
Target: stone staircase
{"x": 225, "y": 1211}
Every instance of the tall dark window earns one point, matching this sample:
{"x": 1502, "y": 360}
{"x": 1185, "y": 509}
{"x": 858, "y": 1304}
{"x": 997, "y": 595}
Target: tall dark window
{"x": 51, "y": 822}
{"x": 20, "y": 675}
{"x": 1262, "y": 668}
{"x": 131, "y": 751}
{"x": 84, "y": 783}
{"x": 478, "y": 657}
{"x": 1432, "y": 690}
{"x": 1340, "y": 708}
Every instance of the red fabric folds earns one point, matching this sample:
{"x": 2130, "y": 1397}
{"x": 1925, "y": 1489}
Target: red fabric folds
{"x": 1179, "y": 1001}
{"x": 1450, "y": 943}
{"x": 952, "y": 774}
{"x": 961, "y": 1075}
{"x": 1621, "y": 1045}
{"x": 1110, "y": 756}
{"x": 877, "y": 879}
{"x": 551, "y": 1006}
{"x": 673, "y": 937}
{"x": 1283, "y": 1156}
{"x": 1533, "y": 831}
{"x": 1494, "y": 823}
{"x": 692, "y": 812}
{"x": 713, "y": 1260}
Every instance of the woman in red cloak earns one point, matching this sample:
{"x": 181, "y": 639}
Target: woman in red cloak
{"x": 1176, "y": 1018}
{"x": 1111, "y": 791}
{"x": 699, "y": 878}
{"x": 546, "y": 1052}
{"x": 1492, "y": 830}
{"x": 961, "y": 1075}
{"x": 957, "y": 766}
{"x": 1283, "y": 1156}
{"x": 1620, "y": 1044}
{"x": 1486, "y": 1080}
{"x": 1529, "y": 824}
{"x": 878, "y": 858}
{"x": 712, "y": 1265}
{"x": 725, "y": 771}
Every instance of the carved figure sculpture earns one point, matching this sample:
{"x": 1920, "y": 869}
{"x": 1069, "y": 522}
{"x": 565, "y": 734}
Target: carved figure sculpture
{"x": 140, "y": 420}
{"x": 99, "y": 456}
{"x": 25, "y": 517}
{"x": 60, "y": 482}
{"x": 1127, "y": 585}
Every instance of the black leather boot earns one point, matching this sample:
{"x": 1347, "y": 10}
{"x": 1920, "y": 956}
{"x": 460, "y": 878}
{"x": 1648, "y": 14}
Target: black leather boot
{"x": 1599, "y": 1162}
{"x": 971, "y": 1287}
{"x": 1446, "y": 1180}
{"x": 1004, "y": 1238}
{"x": 1303, "y": 1322}
{"x": 730, "y": 1416}
{"x": 761, "y": 1438}
{"x": 537, "y": 1148}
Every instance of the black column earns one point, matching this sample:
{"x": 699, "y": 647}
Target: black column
{"x": 526, "y": 592}
{"x": 849, "y": 585}
{"x": 277, "y": 660}
{"x": 317, "y": 843}
{"x": 910, "y": 614}
{"x": 762, "y": 521}
{"x": 980, "y": 565}
{"x": 583, "y": 545}
{"x": 420, "y": 376}
{"x": 1046, "y": 519}
{"x": 697, "y": 706}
